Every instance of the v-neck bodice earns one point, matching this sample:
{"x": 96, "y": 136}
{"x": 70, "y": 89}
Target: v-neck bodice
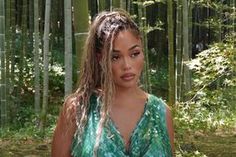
{"x": 139, "y": 122}
{"x": 149, "y": 138}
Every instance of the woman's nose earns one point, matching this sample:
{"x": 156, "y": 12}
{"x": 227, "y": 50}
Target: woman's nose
{"x": 126, "y": 64}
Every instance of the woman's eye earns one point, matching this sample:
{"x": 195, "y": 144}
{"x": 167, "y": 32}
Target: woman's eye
{"x": 134, "y": 54}
{"x": 115, "y": 57}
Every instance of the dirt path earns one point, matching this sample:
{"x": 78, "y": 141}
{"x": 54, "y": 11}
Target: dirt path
{"x": 212, "y": 146}
{"x": 217, "y": 146}
{"x": 24, "y": 148}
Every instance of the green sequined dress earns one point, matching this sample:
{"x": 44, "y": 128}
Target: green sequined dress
{"x": 149, "y": 138}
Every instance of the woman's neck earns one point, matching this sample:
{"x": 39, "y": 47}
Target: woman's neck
{"x": 129, "y": 94}
{"x": 124, "y": 91}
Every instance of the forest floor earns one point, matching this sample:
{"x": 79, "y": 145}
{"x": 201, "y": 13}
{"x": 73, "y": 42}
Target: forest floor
{"x": 211, "y": 145}
{"x": 217, "y": 146}
{"x": 25, "y": 148}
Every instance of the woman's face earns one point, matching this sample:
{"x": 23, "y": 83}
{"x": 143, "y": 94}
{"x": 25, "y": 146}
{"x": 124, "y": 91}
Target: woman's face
{"x": 127, "y": 59}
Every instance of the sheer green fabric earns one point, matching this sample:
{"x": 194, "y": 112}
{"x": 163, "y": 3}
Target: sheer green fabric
{"x": 149, "y": 138}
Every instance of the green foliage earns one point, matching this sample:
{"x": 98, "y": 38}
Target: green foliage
{"x": 221, "y": 18}
{"x": 23, "y": 120}
{"x": 159, "y": 79}
{"x": 190, "y": 154}
{"x": 29, "y": 128}
{"x": 26, "y": 122}
{"x": 213, "y": 95}
{"x": 211, "y": 4}
{"x": 214, "y": 68}
{"x": 214, "y": 23}
{"x": 158, "y": 73}
{"x": 147, "y": 3}
{"x": 213, "y": 99}
{"x": 56, "y": 75}
{"x": 158, "y": 26}
{"x": 147, "y": 28}
{"x": 26, "y": 133}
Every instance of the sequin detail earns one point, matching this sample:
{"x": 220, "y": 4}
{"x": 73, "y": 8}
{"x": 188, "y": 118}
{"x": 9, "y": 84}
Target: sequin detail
{"x": 149, "y": 138}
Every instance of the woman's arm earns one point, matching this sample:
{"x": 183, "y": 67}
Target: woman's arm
{"x": 64, "y": 132}
{"x": 170, "y": 128}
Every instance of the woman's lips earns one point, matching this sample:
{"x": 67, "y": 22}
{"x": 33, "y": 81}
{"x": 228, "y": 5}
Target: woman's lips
{"x": 128, "y": 76}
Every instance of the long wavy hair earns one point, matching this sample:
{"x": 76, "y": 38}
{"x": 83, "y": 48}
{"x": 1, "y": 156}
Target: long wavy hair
{"x": 96, "y": 72}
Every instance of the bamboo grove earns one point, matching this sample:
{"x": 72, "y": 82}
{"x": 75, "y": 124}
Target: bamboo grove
{"x": 41, "y": 44}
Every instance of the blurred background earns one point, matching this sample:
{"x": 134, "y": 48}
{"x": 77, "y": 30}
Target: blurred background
{"x": 190, "y": 63}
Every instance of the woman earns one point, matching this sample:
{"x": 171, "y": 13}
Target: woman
{"x": 110, "y": 115}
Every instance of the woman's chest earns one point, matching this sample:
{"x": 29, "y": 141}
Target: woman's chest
{"x": 126, "y": 121}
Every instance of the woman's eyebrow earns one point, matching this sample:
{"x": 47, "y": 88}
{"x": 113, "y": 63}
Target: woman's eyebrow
{"x": 131, "y": 48}
{"x": 115, "y": 51}
{"x": 134, "y": 47}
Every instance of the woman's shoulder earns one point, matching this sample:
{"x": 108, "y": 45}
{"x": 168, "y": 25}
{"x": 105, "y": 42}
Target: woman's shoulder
{"x": 73, "y": 101}
{"x": 156, "y": 102}
{"x": 157, "y": 106}
{"x": 70, "y": 102}
{"x": 68, "y": 111}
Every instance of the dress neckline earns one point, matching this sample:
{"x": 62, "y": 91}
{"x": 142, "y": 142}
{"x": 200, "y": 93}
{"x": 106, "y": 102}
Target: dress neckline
{"x": 135, "y": 130}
